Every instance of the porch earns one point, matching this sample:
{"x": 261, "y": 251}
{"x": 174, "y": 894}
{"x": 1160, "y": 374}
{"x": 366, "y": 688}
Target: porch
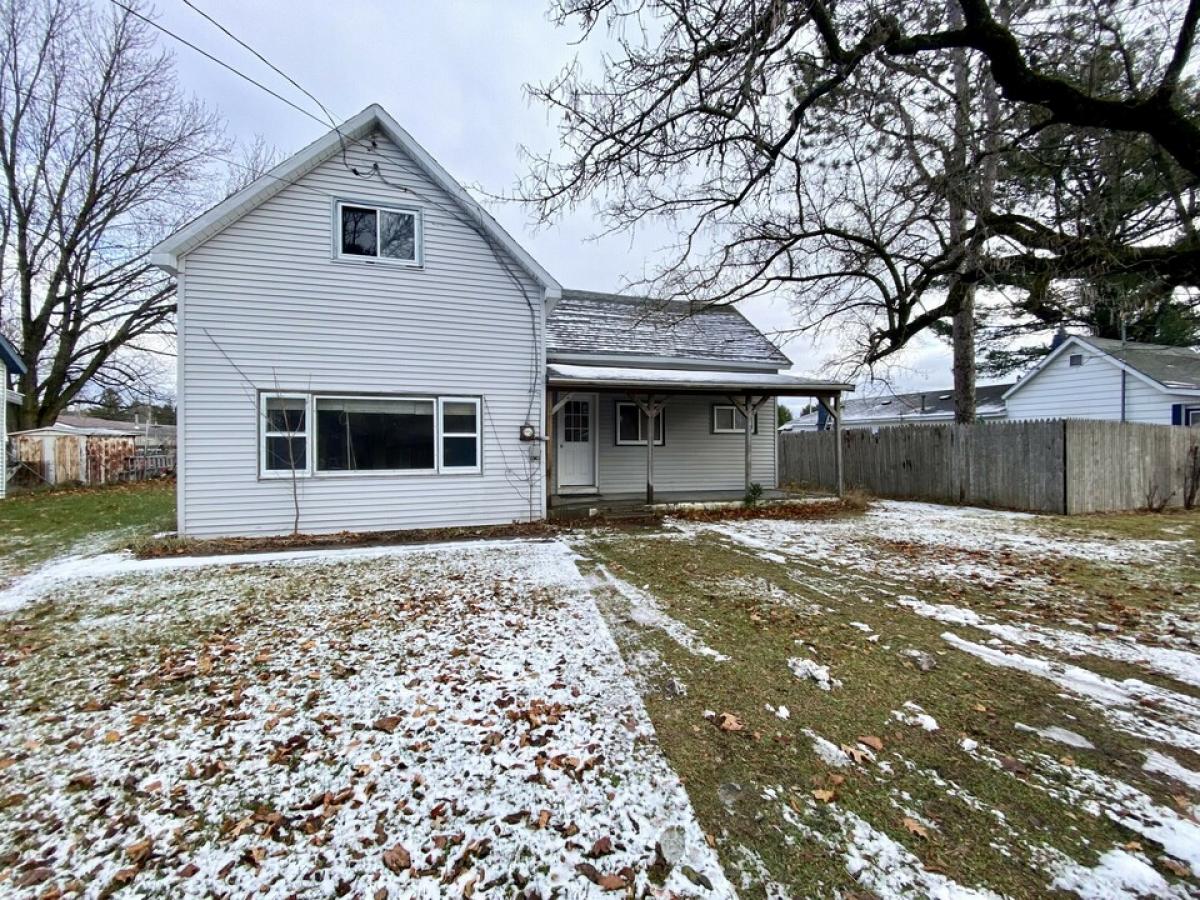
{"x": 683, "y": 434}
{"x": 570, "y": 505}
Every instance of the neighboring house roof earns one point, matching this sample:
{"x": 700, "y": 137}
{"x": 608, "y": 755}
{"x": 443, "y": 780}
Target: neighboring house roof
{"x": 586, "y": 323}
{"x": 10, "y": 357}
{"x": 1170, "y": 369}
{"x": 918, "y": 406}
{"x": 60, "y": 429}
{"x": 374, "y": 118}
{"x": 564, "y": 375}
{"x": 96, "y": 423}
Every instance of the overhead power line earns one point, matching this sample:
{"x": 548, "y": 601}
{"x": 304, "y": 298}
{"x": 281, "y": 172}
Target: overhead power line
{"x": 290, "y": 80}
{"x": 240, "y": 74}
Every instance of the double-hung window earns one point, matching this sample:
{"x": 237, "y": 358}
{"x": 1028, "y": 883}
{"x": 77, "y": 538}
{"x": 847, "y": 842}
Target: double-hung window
{"x": 633, "y": 425}
{"x": 728, "y": 419}
{"x": 285, "y": 430}
{"x": 460, "y": 434}
{"x": 378, "y": 232}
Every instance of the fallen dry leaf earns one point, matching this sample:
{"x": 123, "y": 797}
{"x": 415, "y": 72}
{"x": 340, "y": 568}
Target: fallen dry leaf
{"x": 386, "y": 724}
{"x": 729, "y": 722}
{"x": 871, "y": 741}
{"x": 824, "y": 796}
{"x": 915, "y": 827}
{"x": 397, "y": 859}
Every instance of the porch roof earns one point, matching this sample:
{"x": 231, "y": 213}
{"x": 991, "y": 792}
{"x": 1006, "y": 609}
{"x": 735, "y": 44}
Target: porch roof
{"x": 687, "y": 381}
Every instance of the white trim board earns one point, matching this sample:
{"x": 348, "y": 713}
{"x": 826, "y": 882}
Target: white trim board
{"x": 167, "y": 253}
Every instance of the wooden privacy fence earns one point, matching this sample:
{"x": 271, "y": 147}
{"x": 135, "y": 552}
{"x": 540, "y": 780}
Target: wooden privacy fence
{"x": 1058, "y": 466}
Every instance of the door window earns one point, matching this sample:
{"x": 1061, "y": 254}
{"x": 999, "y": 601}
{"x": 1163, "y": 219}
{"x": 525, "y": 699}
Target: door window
{"x": 577, "y": 422}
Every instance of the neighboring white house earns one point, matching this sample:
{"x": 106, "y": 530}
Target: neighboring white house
{"x": 1098, "y": 378}
{"x": 10, "y": 365}
{"x": 918, "y": 408}
{"x": 359, "y": 340}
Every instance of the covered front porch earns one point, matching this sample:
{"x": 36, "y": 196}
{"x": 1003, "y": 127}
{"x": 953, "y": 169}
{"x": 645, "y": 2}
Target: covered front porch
{"x": 601, "y": 418}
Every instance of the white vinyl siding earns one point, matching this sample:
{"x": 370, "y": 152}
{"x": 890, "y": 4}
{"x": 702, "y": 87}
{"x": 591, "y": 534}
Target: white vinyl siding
{"x": 1090, "y": 390}
{"x": 265, "y": 297}
{"x": 693, "y": 458}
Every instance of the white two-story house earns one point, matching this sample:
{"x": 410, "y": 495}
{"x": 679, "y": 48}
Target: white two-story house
{"x": 362, "y": 347}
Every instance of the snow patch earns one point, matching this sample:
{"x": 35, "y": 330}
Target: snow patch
{"x": 807, "y": 669}
{"x": 1062, "y": 735}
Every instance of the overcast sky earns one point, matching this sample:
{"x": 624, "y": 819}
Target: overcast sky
{"x": 452, "y": 73}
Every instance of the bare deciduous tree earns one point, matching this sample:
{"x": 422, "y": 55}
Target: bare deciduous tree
{"x": 858, "y": 156}
{"x": 101, "y": 155}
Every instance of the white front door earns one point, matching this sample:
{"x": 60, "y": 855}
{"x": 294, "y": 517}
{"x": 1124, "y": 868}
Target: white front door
{"x": 576, "y": 444}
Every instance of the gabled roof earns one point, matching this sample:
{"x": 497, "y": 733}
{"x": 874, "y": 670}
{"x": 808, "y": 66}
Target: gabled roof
{"x": 1170, "y": 369}
{"x": 10, "y": 357}
{"x": 918, "y": 406}
{"x": 374, "y": 118}
{"x": 616, "y": 326}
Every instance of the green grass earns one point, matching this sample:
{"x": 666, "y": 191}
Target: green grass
{"x": 756, "y": 612}
{"x": 38, "y": 525}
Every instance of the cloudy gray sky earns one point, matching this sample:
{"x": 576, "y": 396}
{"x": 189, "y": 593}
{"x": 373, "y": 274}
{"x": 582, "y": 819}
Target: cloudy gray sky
{"x": 452, "y": 73}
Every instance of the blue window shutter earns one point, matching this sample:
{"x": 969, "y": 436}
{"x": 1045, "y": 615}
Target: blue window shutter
{"x": 1176, "y": 413}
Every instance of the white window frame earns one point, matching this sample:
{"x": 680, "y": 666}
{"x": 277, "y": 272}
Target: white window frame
{"x": 641, "y": 441}
{"x": 1191, "y": 416}
{"x": 441, "y": 434}
{"x": 264, "y": 433}
{"x": 367, "y": 473}
{"x": 418, "y": 234}
{"x": 736, "y": 413}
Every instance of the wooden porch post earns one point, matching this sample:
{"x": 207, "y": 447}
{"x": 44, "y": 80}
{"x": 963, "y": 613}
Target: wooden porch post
{"x": 651, "y": 408}
{"x": 748, "y": 446}
{"x": 748, "y": 407}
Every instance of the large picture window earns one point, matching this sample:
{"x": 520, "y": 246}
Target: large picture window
{"x": 356, "y": 434}
{"x": 284, "y": 428}
{"x": 633, "y": 424}
{"x": 376, "y": 232}
{"x": 338, "y": 435}
{"x": 728, "y": 419}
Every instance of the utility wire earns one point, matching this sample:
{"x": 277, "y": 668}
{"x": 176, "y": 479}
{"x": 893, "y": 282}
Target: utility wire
{"x": 219, "y": 61}
{"x": 290, "y": 80}
{"x": 264, "y": 61}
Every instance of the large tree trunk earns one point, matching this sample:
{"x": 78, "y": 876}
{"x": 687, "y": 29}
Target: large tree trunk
{"x": 961, "y": 293}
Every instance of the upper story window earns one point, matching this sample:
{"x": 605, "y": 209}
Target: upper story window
{"x": 1076, "y": 359}
{"x": 378, "y": 232}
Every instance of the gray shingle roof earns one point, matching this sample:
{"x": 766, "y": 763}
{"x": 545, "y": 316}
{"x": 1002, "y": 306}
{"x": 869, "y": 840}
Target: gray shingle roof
{"x": 1172, "y": 367}
{"x": 929, "y": 405}
{"x": 618, "y": 325}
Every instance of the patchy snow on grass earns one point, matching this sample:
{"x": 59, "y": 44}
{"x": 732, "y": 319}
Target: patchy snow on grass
{"x": 1061, "y": 735}
{"x": 829, "y": 752}
{"x": 1119, "y": 873}
{"x": 1182, "y": 665}
{"x": 646, "y": 611}
{"x": 1100, "y": 795}
{"x": 810, "y": 670}
{"x": 877, "y": 862}
{"x": 1134, "y": 706}
{"x": 986, "y": 546}
{"x": 428, "y": 722}
{"x": 1169, "y": 766}
{"x": 913, "y": 714}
